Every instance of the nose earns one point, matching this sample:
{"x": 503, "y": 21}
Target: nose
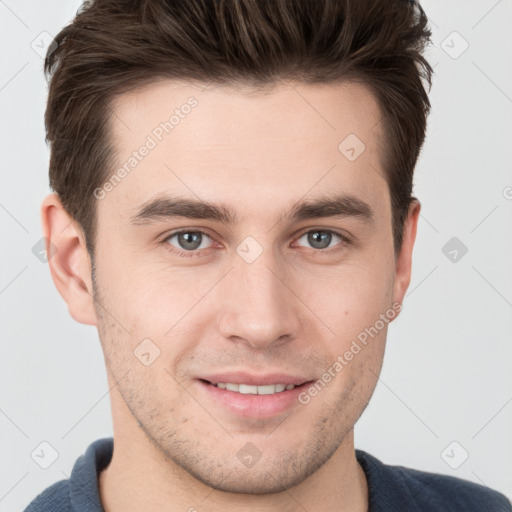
{"x": 258, "y": 306}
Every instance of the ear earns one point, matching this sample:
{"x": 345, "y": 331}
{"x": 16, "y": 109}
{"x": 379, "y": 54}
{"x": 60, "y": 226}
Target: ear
{"x": 69, "y": 261}
{"x": 403, "y": 263}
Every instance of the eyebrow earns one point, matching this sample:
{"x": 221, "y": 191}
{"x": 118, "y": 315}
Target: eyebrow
{"x": 162, "y": 208}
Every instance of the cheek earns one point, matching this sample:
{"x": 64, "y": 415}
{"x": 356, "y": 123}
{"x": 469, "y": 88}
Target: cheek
{"x": 163, "y": 299}
{"x": 157, "y": 310}
{"x": 148, "y": 295}
{"x": 349, "y": 298}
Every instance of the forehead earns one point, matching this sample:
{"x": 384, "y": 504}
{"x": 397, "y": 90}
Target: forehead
{"x": 245, "y": 147}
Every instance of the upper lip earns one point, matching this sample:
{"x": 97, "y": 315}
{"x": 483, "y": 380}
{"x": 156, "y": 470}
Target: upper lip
{"x": 255, "y": 380}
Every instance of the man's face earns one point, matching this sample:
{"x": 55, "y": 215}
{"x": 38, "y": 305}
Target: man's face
{"x": 262, "y": 296}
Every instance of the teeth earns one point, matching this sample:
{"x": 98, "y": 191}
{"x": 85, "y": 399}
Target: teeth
{"x": 266, "y": 390}
{"x": 247, "y": 389}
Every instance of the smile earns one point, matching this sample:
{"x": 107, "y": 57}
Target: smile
{"x": 255, "y": 399}
{"x": 248, "y": 389}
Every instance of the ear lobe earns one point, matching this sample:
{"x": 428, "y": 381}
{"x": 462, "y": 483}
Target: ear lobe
{"x": 403, "y": 263}
{"x": 69, "y": 260}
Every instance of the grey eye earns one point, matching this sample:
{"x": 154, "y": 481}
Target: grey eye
{"x": 320, "y": 239}
{"x": 189, "y": 240}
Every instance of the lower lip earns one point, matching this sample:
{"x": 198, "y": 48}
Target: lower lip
{"x": 254, "y": 406}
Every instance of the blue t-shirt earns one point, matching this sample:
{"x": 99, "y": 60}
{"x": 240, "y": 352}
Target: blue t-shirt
{"x": 391, "y": 488}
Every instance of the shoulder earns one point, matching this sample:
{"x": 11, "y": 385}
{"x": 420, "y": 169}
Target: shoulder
{"x": 402, "y": 488}
{"x": 54, "y": 498}
{"x": 80, "y": 492}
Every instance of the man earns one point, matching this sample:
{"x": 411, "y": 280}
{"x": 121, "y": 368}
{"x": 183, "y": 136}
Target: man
{"x": 233, "y": 211}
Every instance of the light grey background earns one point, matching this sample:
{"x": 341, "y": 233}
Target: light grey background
{"x": 447, "y": 371}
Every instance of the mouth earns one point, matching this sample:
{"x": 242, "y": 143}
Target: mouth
{"x": 250, "y": 389}
{"x": 252, "y": 398}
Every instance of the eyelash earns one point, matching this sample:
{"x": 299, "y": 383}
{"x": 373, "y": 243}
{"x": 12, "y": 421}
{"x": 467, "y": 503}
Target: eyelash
{"x": 190, "y": 254}
{"x": 186, "y": 254}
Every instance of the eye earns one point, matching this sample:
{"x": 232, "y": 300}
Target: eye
{"x": 321, "y": 239}
{"x": 189, "y": 240}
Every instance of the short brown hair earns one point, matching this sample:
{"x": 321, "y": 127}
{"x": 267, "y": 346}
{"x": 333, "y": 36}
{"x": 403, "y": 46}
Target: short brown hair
{"x": 116, "y": 46}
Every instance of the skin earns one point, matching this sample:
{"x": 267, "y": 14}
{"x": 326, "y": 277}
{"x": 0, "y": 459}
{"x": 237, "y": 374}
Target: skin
{"x": 293, "y": 310}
